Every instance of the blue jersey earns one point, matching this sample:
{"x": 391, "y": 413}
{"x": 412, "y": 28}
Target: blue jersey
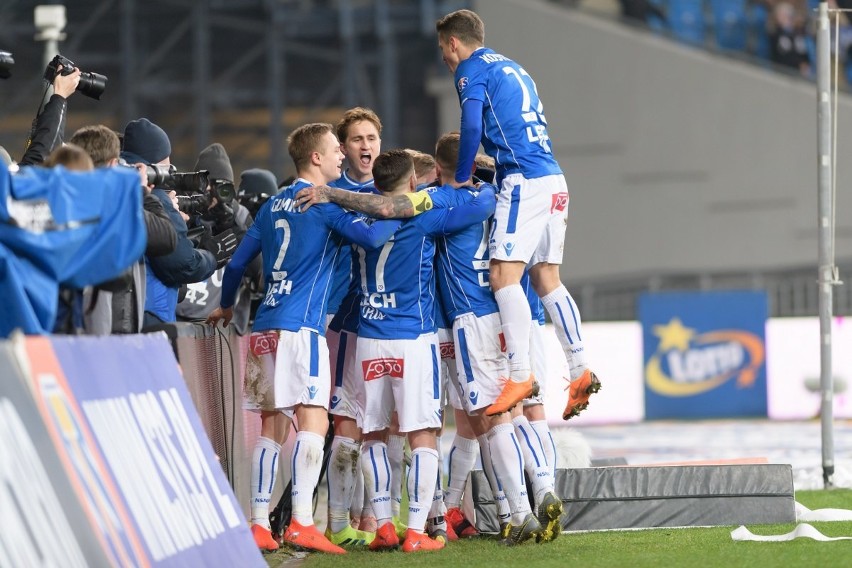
{"x": 463, "y": 269}
{"x": 343, "y": 266}
{"x": 514, "y": 130}
{"x": 397, "y": 280}
{"x": 299, "y": 250}
{"x": 536, "y": 307}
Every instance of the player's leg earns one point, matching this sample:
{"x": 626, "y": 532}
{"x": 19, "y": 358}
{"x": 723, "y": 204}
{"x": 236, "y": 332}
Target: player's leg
{"x": 418, "y": 401}
{"x": 274, "y": 427}
{"x": 544, "y": 274}
{"x": 344, "y": 468}
{"x": 396, "y": 457}
{"x": 537, "y": 448}
{"x": 460, "y": 462}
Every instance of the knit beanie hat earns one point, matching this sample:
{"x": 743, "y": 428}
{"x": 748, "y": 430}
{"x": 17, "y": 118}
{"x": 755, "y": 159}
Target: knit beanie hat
{"x": 215, "y": 160}
{"x": 256, "y": 181}
{"x": 145, "y": 142}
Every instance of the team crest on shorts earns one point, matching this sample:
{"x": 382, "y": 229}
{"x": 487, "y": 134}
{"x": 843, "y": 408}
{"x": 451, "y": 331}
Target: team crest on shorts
{"x": 559, "y": 201}
{"x": 264, "y": 343}
{"x": 386, "y": 367}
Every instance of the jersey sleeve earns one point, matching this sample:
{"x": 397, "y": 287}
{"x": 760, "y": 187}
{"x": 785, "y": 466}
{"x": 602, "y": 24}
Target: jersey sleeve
{"x": 471, "y": 134}
{"x": 470, "y": 81}
{"x": 360, "y": 230}
{"x": 248, "y": 248}
{"x": 454, "y": 219}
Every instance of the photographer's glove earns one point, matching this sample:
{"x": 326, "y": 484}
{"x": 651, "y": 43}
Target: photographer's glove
{"x": 222, "y": 245}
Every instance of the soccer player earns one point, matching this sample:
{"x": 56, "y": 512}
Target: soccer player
{"x": 463, "y": 286}
{"x": 359, "y": 132}
{"x": 500, "y": 108}
{"x": 398, "y": 350}
{"x": 287, "y": 370}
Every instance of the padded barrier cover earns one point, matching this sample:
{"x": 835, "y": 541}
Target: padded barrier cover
{"x": 664, "y": 496}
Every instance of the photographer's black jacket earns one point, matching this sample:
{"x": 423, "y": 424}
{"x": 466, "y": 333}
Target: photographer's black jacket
{"x": 47, "y": 133}
{"x": 162, "y": 238}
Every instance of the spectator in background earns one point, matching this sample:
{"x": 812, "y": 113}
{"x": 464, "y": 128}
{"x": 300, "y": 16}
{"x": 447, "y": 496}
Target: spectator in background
{"x": 71, "y": 157}
{"x": 117, "y": 306}
{"x": 256, "y": 186}
{"x": 788, "y": 39}
{"x": 147, "y": 143}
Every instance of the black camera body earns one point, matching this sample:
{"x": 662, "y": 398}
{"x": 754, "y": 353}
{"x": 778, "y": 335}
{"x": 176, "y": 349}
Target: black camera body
{"x": 91, "y": 84}
{"x": 6, "y": 64}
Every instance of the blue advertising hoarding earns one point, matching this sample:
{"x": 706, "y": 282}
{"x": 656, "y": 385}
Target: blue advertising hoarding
{"x": 123, "y": 420}
{"x": 704, "y": 354}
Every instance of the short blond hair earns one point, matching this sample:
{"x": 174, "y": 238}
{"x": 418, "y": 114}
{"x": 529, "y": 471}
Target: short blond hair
{"x": 306, "y": 140}
{"x": 423, "y": 162}
{"x": 71, "y": 157}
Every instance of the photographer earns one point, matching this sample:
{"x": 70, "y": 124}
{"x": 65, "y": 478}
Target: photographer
{"x": 49, "y": 127}
{"x": 222, "y": 233}
{"x": 117, "y": 306}
{"x": 147, "y": 143}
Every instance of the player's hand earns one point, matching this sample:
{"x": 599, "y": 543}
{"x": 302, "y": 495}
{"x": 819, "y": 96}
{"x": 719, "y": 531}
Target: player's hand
{"x": 311, "y": 196}
{"x": 466, "y": 183}
{"x": 65, "y": 85}
{"x": 223, "y": 314}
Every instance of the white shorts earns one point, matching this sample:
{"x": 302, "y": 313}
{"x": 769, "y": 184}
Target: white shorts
{"x": 347, "y": 385}
{"x": 401, "y": 375}
{"x": 449, "y": 373}
{"x": 285, "y": 369}
{"x": 518, "y": 232}
{"x": 480, "y": 352}
{"x": 538, "y": 362}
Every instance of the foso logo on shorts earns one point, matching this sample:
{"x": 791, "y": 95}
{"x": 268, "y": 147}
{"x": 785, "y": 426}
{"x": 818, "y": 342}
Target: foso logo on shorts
{"x": 264, "y": 343}
{"x": 559, "y": 202}
{"x": 448, "y": 350}
{"x": 378, "y": 368}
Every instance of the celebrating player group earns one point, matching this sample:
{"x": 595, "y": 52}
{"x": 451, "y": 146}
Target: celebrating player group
{"x": 400, "y": 285}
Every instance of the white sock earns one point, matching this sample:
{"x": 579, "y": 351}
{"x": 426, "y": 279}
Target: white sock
{"x": 461, "y": 461}
{"x": 438, "y": 508}
{"x": 543, "y": 431}
{"x": 509, "y": 469}
{"x": 504, "y": 513}
{"x": 396, "y": 457}
{"x": 307, "y": 463}
{"x": 535, "y": 458}
{"x": 421, "y": 486}
{"x": 343, "y": 465}
{"x": 357, "y": 506}
{"x": 516, "y": 316}
{"x": 264, "y": 470}
{"x": 566, "y": 321}
{"x": 377, "y": 478}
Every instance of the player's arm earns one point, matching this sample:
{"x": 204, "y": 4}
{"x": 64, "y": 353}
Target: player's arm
{"x": 454, "y": 219}
{"x": 372, "y": 205}
{"x": 357, "y": 230}
{"x": 247, "y": 250}
{"x": 471, "y": 134}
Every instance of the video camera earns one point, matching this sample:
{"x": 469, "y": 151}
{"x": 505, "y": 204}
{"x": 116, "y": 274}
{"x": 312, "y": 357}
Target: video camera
{"x": 91, "y": 84}
{"x": 6, "y": 64}
{"x": 191, "y": 187}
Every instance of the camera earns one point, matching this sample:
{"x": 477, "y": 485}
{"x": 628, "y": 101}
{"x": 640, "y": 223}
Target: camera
{"x": 91, "y": 84}
{"x": 6, "y": 63}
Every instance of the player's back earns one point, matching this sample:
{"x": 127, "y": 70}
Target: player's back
{"x": 398, "y": 285}
{"x": 343, "y": 266}
{"x": 299, "y": 251}
{"x": 514, "y": 126}
{"x": 462, "y": 273}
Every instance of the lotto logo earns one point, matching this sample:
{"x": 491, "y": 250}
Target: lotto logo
{"x": 378, "y": 368}
{"x": 448, "y": 350}
{"x": 558, "y": 202}
{"x": 263, "y": 343}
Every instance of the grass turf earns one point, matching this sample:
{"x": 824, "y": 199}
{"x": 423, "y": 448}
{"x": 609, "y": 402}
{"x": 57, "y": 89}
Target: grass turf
{"x": 704, "y": 547}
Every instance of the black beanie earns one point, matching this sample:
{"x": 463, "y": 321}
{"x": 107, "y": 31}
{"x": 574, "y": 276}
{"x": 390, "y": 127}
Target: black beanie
{"x": 215, "y": 160}
{"x": 256, "y": 181}
{"x": 145, "y": 142}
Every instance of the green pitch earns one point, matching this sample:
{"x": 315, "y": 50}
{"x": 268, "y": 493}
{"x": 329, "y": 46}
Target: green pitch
{"x": 657, "y": 548}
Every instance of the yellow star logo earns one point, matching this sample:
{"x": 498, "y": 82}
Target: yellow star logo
{"x": 673, "y": 336}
